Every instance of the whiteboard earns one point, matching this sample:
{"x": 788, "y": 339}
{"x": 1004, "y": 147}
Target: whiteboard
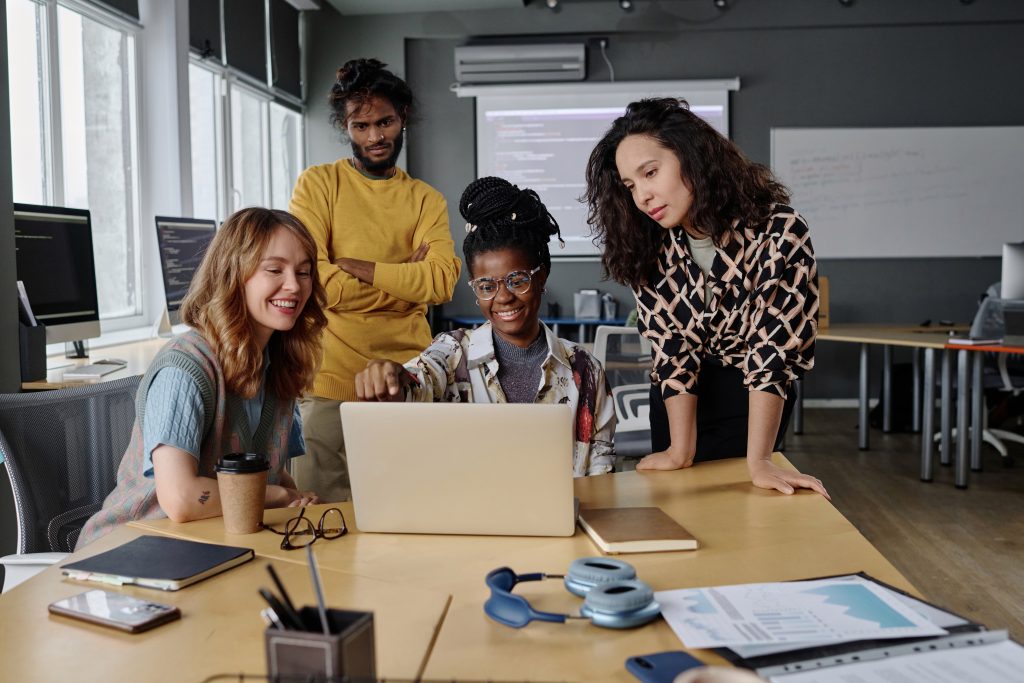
{"x": 905, "y": 192}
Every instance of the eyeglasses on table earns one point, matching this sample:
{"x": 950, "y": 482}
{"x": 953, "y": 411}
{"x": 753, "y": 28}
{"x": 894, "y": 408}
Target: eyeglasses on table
{"x": 300, "y": 531}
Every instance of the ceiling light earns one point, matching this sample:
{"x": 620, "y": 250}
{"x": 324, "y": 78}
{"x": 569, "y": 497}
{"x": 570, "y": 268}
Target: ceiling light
{"x": 626, "y": 5}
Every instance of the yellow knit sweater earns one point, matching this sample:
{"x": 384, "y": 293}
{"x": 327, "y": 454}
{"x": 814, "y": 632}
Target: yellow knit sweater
{"x": 384, "y": 221}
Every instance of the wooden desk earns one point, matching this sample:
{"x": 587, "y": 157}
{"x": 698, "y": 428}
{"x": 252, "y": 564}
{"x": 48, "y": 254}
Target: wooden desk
{"x": 220, "y": 631}
{"x": 138, "y": 354}
{"x": 970, "y": 393}
{"x": 930, "y": 340}
{"x": 746, "y": 535}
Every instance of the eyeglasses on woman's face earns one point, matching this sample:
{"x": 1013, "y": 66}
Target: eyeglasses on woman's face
{"x": 516, "y": 282}
{"x": 300, "y": 531}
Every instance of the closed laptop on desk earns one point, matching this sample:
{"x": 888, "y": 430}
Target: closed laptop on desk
{"x": 443, "y": 468}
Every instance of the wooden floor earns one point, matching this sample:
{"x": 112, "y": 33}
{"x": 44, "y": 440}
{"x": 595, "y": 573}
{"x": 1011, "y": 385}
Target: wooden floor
{"x": 964, "y": 549}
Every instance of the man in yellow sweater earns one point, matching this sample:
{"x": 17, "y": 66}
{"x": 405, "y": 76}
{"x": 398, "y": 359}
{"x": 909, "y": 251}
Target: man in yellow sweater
{"x": 384, "y": 254}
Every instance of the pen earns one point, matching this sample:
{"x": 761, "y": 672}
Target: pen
{"x": 285, "y": 599}
{"x": 286, "y": 619}
{"x": 318, "y": 588}
{"x": 270, "y": 617}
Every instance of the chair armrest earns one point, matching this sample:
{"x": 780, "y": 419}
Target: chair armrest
{"x": 18, "y": 568}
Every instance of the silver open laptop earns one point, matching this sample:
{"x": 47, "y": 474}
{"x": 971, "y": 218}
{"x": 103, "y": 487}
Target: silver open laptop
{"x": 443, "y": 468}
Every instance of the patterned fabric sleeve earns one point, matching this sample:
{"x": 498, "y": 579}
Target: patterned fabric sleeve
{"x": 595, "y": 415}
{"x": 441, "y": 371}
{"x": 784, "y": 318}
{"x": 672, "y": 330}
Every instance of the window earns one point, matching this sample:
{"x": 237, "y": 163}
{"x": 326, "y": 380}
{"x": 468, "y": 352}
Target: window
{"x": 207, "y": 133}
{"x": 245, "y": 104}
{"x": 73, "y": 124}
{"x": 28, "y": 88}
{"x": 286, "y": 136}
{"x": 248, "y": 148}
{"x": 264, "y": 152}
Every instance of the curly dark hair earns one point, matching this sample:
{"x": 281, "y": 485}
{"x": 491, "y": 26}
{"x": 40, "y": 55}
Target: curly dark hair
{"x": 360, "y": 80}
{"x": 501, "y": 216}
{"x": 726, "y": 186}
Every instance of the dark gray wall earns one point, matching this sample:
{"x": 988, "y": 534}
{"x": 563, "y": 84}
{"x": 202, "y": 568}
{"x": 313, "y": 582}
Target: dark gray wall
{"x": 801, "y": 63}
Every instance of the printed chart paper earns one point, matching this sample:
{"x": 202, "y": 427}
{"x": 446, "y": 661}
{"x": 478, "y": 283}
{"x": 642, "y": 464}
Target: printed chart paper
{"x": 998, "y": 663}
{"x": 821, "y": 611}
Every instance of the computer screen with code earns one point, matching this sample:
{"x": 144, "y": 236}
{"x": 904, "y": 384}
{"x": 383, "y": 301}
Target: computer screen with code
{"x": 183, "y": 243}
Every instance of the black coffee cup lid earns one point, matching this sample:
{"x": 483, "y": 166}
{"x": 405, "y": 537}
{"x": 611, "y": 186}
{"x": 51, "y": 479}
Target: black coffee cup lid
{"x": 243, "y": 463}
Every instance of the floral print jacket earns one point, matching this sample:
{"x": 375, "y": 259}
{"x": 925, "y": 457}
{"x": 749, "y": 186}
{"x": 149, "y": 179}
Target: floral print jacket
{"x": 461, "y": 367}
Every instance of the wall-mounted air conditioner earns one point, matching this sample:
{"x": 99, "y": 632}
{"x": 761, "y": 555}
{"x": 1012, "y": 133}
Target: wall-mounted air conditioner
{"x": 520, "y": 63}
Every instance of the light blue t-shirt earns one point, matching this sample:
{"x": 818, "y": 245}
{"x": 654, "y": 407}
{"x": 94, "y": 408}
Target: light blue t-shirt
{"x": 174, "y": 416}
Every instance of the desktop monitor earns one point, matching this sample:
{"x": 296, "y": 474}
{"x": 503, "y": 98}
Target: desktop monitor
{"x": 182, "y": 242}
{"x": 1012, "y": 281}
{"x": 54, "y": 259}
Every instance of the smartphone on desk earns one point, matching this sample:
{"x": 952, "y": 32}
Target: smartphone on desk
{"x": 115, "y": 610}
{"x": 661, "y": 667}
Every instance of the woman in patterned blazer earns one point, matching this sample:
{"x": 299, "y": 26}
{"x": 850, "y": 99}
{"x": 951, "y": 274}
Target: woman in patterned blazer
{"x": 725, "y": 283}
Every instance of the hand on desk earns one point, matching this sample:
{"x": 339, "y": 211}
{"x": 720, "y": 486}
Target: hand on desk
{"x": 766, "y": 475}
{"x": 668, "y": 459}
{"x": 282, "y": 496}
{"x": 718, "y": 674}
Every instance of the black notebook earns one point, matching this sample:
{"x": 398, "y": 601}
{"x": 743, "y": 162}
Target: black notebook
{"x": 158, "y": 562}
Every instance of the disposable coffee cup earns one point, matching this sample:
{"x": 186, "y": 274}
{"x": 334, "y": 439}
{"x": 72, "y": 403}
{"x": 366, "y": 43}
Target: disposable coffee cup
{"x": 242, "y": 481}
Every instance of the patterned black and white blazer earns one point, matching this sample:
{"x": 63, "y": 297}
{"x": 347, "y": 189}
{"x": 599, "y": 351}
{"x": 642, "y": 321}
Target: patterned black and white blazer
{"x": 763, "y": 313}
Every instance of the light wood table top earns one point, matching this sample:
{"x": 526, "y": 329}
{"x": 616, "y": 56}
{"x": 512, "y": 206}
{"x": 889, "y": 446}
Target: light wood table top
{"x": 746, "y": 535}
{"x": 890, "y": 335}
{"x": 137, "y": 354}
{"x": 220, "y": 631}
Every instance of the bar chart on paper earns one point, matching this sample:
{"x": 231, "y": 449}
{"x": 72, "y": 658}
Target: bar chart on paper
{"x": 824, "y": 611}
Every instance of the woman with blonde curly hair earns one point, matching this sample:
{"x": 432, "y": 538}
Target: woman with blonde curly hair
{"x": 230, "y": 383}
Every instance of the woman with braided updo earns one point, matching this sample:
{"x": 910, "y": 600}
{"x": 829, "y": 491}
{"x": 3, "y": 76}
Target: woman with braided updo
{"x": 513, "y": 357}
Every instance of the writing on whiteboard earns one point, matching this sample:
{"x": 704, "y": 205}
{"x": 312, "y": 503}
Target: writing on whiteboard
{"x": 905, "y": 192}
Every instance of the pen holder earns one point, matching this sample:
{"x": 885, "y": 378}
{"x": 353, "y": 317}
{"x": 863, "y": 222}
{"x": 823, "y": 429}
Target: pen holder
{"x": 32, "y": 347}
{"x": 346, "y": 654}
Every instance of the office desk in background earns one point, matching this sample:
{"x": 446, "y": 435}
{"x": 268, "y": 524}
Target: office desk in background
{"x": 746, "y": 535}
{"x": 971, "y": 404}
{"x": 927, "y": 339}
{"x": 582, "y": 326}
{"x": 138, "y": 355}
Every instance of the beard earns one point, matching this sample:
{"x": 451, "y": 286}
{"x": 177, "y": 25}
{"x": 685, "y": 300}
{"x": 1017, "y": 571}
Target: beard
{"x": 379, "y": 167}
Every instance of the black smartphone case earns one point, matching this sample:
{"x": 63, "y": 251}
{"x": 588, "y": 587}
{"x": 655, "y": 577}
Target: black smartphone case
{"x": 661, "y": 667}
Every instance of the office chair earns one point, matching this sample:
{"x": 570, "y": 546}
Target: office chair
{"x": 989, "y": 322}
{"x": 62, "y": 449}
{"x": 626, "y": 357}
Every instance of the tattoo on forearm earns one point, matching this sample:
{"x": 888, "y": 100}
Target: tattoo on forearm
{"x": 205, "y": 497}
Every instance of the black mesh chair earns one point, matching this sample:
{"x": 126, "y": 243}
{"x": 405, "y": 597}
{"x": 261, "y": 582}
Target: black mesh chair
{"x": 62, "y": 449}
{"x": 626, "y": 357}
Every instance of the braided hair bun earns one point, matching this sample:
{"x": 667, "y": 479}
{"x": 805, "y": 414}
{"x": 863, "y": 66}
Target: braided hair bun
{"x": 360, "y": 80}
{"x": 499, "y": 215}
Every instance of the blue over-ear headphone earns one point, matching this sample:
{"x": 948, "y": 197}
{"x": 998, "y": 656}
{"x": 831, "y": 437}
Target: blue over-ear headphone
{"x": 613, "y": 597}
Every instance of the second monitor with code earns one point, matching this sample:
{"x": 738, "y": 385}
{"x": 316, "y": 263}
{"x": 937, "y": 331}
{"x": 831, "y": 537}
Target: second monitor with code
{"x": 182, "y": 243}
